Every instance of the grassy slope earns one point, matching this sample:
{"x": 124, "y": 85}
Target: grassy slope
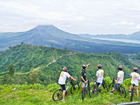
{"x": 40, "y": 95}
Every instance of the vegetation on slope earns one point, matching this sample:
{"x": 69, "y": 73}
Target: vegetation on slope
{"x": 37, "y": 64}
{"x": 135, "y": 58}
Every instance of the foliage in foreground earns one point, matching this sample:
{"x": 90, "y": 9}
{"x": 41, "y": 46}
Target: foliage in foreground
{"x": 38, "y": 94}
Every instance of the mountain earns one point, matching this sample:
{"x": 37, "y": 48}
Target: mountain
{"x": 44, "y": 35}
{"x": 46, "y": 63}
{"x": 49, "y": 35}
{"x": 133, "y": 36}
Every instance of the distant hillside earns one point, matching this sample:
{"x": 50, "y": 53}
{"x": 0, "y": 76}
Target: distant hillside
{"x": 46, "y": 63}
{"x": 49, "y": 35}
{"x": 135, "y": 58}
{"x": 133, "y": 36}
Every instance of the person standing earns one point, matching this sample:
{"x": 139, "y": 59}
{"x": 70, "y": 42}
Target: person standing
{"x": 62, "y": 80}
{"x": 83, "y": 75}
{"x": 119, "y": 79}
{"x": 135, "y": 80}
{"x": 99, "y": 75}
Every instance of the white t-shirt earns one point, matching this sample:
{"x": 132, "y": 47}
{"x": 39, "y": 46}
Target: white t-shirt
{"x": 100, "y": 74}
{"x": 63, "y": 77}
{"x": 121, "y": 76}
{"x": 135, "y": 77}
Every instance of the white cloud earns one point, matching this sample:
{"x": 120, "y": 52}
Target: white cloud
{"x": 75, "y": 16}
{"x": 136, "y": 27}
{"x": 122, "y": 23}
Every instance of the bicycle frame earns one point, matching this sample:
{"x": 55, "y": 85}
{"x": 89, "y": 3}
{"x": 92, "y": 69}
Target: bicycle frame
{"x": 101, "y": 84}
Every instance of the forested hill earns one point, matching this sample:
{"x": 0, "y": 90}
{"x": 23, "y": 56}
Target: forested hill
{"x": 43, "y": 65}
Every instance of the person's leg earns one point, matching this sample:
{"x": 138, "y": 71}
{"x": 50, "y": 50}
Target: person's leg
{"x": 130, "y": 88}
{"x": 83, "y": 84}
{"x": 137, "y": 91}
{"x": 64, "y": 91}
{"x": 115, "y": 87}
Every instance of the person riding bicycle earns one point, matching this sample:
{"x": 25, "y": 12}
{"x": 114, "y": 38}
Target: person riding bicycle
{"x": 99, "y": 75}
{"x": 119, "y": 79}
{"x": 135, "y": 80}
{"x": 83, "y": 75}
{"x": 62, "y": 80}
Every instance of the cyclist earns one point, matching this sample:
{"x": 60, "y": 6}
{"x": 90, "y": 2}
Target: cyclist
{"x": 62, "y": 80}
{"x": 135, "y": 77}
{"x": 83, "y": 75}
{"x": 119, "y": 79}
{"x": 99, "y": 75}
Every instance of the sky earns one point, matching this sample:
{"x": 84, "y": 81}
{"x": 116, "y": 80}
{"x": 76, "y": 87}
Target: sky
{"x": 74, "y": 16}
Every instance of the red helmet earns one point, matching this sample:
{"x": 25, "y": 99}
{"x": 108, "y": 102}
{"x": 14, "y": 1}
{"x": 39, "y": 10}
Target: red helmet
{"x": 119, "y": 67}
{"x": 64, "y": 68}
{"x": 84, "y": 66}
{"x": 99, "y": 66}
{"x": 135, "y": 68}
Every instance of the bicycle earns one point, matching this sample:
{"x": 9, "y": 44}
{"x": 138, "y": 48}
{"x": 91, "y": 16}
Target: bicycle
{"x": 132, "y": 92}
{"x": 85, "y": 89}
{"x": 120, "y": 88}
{"x": 94, "y": 89}
{"x": 57, "y": 95}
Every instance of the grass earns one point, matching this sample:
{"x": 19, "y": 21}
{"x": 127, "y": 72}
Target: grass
{"x": 38, "y": 94}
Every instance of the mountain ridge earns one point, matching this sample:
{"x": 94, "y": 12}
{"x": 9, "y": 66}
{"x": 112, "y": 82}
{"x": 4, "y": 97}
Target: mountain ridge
{"x": 49, "y": 35}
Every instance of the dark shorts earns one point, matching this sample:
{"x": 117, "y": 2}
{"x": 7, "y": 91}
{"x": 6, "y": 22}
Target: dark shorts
{"x": 97, "y": 84}
{"x": 63, "y": 87}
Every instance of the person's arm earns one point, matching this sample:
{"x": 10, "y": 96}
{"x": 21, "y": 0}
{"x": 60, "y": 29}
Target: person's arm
{"x": 96, "y": 77}
{"x": 130, "y": 75}
{"x": 87, "y": 65}
{"x": 83, "y": 79}
{"x": 139, "y": 78}
{"x": 96, "y": 74}
{"x": 72, "y": 78}
{"x": 117, "y": 80}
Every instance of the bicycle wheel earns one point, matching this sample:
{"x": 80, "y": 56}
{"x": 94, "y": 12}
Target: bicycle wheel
{"x": 93, "y": 91}
{"x": 111, "y": 85}
{"x": 74, "y": 88}
{"x": 57, "y": 95}
{"x": 132, "y": 94}
{"x": 83, "y": 93}
{"x": 122, "y": 91}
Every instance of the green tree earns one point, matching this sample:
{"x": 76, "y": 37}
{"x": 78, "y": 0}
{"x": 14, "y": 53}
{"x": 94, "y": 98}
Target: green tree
{"x": 11, "y": 70}
{"x": 33, "y": 76}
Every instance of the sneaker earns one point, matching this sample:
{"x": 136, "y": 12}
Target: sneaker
{"x": 111, "y": 91}
{"x": 63, "y": 100}
{"x": 137, "y": 97}
{"x": 129, "y": 90}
